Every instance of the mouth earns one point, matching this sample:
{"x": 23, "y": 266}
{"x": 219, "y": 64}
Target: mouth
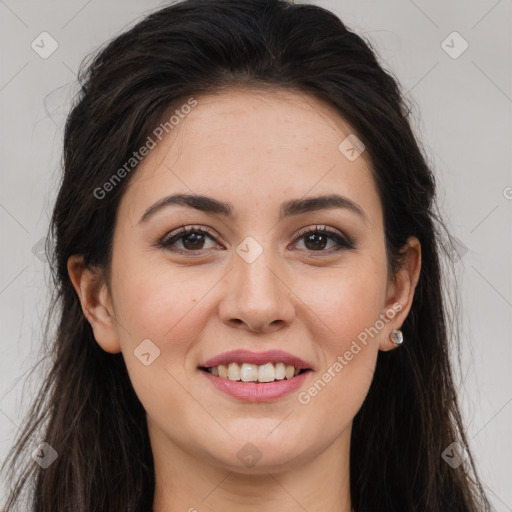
{"x": 249, "y": 372}
{"x": 256, "y": 376}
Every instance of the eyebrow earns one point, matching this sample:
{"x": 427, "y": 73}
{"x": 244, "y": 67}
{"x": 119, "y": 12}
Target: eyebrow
{"x": 288, "y": 208}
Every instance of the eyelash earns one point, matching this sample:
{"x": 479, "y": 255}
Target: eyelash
{"x": 171, "y": 238}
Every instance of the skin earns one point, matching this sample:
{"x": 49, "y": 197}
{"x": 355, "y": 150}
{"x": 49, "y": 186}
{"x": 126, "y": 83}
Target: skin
{"x": 253, "y": 149}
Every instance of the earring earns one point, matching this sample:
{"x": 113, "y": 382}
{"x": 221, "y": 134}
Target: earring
{"x": 397, "y": 337}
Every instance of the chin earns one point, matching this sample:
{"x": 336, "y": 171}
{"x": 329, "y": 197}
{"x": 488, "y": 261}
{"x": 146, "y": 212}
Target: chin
{"x": 260, "y": 455}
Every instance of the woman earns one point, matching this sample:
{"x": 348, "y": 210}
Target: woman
{"x": 247, "y": 266}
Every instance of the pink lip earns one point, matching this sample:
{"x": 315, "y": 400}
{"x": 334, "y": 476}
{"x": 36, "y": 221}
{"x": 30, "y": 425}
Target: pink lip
{"x": 255, "y": 391}
{"x": 246, "y": 356}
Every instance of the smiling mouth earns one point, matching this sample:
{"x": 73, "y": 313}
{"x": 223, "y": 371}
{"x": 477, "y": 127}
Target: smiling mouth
{"x": 248, "y": 372}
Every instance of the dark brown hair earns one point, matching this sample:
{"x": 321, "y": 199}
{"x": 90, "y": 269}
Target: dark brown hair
{"x": 87, "y": 409}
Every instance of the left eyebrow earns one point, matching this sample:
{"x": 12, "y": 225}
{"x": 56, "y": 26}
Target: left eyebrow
{"x": 198, "y": 202}
{"x": 311, "y": 204}
{"x": 288, "y": 208}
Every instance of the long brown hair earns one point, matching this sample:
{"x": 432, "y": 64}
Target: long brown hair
{"x": 87, "y": 409}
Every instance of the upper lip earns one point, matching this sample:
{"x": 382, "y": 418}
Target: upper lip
{"x": 246, "y": 356}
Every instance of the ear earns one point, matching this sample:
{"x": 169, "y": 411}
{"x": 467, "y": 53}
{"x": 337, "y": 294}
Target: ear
{"x": 400, "y": 291}
{"x": 96, "y": 303}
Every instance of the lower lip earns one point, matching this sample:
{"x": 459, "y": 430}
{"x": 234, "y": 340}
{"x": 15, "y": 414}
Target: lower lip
{"x": 257, "y": 391}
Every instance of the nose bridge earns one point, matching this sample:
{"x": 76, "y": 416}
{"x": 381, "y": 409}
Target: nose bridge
{"x": 255, "y": 266}
{"x": 258, "y": 295}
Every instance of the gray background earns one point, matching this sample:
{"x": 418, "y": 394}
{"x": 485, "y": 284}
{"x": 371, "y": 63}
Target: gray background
{"x": 462, "y": 114}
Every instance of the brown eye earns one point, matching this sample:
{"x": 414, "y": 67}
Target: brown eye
{"x": 192, "y": 240}
{"x": 317, "y": 239}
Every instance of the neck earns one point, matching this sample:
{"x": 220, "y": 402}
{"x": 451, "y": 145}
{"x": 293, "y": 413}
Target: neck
{"x": 185, "y": 482}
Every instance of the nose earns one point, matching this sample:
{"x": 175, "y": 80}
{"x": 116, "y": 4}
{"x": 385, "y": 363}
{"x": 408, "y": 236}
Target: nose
{"x": 258, "y": 297}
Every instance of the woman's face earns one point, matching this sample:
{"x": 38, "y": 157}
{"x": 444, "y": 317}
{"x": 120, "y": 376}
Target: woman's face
{"x": 253, "y": 282}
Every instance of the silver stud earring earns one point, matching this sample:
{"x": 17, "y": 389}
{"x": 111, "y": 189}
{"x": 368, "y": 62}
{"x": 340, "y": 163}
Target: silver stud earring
{"x": 397, "y": 337}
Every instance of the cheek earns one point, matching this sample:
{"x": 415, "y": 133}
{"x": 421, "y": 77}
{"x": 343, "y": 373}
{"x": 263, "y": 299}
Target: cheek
{"x": 355, "y": 309}
{"x": 349, "y": 354}
{"x": 348, "y": 336}
{"x": 335, "y": 395}
{"x": 163, "y": 304}
{"x": 346, "y": 301}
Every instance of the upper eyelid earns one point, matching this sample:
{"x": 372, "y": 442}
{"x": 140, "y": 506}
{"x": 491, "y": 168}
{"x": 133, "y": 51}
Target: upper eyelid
{"x": 319, "y": 227}
{"x": 183, "y": 230}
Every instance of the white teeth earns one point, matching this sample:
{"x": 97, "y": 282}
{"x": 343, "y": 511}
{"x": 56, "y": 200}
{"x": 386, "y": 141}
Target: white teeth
{"x": 266, "y": 373}
{"x": 248, "y": 372}
{"x": 223, "y": 371}
{"x": 280, "y": 371}
{"x": 233, "y": 371}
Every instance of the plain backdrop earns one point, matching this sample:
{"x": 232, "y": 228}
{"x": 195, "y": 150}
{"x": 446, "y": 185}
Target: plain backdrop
{"x": 454, "y": 60}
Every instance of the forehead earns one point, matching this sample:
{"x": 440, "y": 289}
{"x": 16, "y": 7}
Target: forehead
{"x": 252, "y": 148}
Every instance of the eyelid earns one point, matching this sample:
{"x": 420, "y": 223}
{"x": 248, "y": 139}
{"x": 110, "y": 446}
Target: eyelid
{"x": 192, "y": 228}
{"x": 318, "y": 227}
{"x": 343, "y": 242}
